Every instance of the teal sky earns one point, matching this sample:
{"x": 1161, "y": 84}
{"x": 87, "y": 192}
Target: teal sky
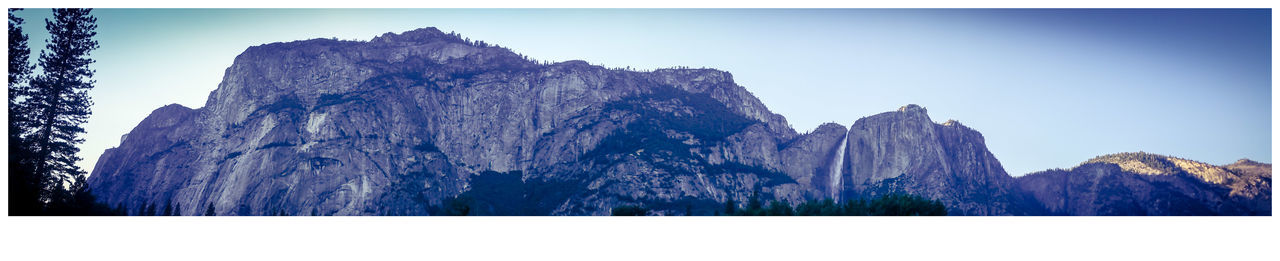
{"x": 1047, "y": 88}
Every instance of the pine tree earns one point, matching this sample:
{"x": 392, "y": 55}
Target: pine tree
{"x": 780, "y": 208}
{"x": 177, "y": 209}
{"x": 82, "y": 202}
{"x": 59, "y": 101}
{"x": 210, "y": 211}
{"x": 168, "y": 209}
{"x": 24, "y": 185}
{"x": 629, "y": 210}
{"x": 20, "y": 69}
{"x": 754, "y": 206}
{"x": 730, "y": 207}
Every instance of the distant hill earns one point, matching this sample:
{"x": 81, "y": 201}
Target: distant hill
{"x": 1150, "y": 184}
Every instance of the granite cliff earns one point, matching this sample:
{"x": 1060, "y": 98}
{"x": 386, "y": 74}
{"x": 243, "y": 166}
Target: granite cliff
{"x": 404, "y": 122}
{"x": 905, "y": 151}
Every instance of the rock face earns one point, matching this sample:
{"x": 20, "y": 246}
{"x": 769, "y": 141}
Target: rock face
{"x": 1149, "y": 184}
{"x": 405, "y": 123}
{"x": 905, "y": 152}
{"x": 812, "y": 158}
{"x": 399, "y": 123}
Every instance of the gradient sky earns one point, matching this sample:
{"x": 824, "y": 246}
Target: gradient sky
{"x": 1047, "y": 88}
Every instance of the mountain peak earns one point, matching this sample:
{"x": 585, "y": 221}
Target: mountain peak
{"x": 1247, "y": 161}
{"x": 416, "y": 35}
{"x": 1137, "y": 162}
{"x": 172, "y": 106}
{"x": 1156, "y": 164}
{"x": 166, "y": 116}
{"x": 910, "y": 112}
{"x": 830, "y": 125}
{"x": 573, "y": 63}
{"x": 912, "y": 108}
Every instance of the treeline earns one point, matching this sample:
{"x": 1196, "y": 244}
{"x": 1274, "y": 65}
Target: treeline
{"x": 886, "y": 205}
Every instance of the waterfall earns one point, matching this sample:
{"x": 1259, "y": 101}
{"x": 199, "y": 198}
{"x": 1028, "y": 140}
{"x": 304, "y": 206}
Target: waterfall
{"x": 837, "y": 164}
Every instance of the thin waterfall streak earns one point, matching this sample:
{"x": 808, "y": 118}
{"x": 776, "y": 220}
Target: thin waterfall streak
{"x": 837, "y": 165}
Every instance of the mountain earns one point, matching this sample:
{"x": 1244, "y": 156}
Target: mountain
{"x": 410, "y": 123}
{"x": 1149, "y": 184}
{"x": 905, "y": 151}
{"x": 404, "y": 121}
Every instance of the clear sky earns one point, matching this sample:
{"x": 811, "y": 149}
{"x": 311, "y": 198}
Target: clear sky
{"x": 1047, "y": 88}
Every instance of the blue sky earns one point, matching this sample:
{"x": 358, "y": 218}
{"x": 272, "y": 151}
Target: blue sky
{"x": 1047, "y": 88}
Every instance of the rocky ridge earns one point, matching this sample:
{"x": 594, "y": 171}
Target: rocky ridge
{"x": 405, "y": 122}
{"x": 1150, "y": 184}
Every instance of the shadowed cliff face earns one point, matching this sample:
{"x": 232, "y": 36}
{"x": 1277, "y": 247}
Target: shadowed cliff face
{"x": 392, "y": 125}
{"x": 406, "y": 121}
